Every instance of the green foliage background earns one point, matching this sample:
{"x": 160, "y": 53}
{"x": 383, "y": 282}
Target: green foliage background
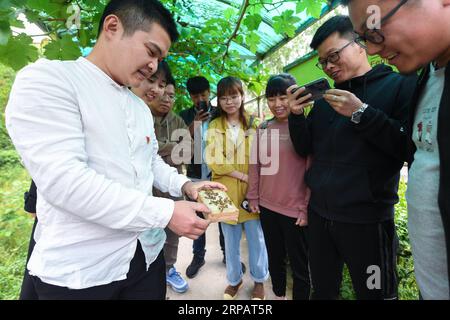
{"x": 190, "y": 56}
{"x": 204, "y": 48}
{"x": 15, "y": 224}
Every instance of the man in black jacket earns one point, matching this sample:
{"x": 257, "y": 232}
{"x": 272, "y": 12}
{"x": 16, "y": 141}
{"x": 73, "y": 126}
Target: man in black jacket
{"x": 415, "y": 34}
{"x": 199, "y": 92}
{"x": 357, "y": 138}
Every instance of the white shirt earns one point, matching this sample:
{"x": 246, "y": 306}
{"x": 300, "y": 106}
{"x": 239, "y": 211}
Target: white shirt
{"x": 89, "y": 145}
{"x": 234, "y": 132}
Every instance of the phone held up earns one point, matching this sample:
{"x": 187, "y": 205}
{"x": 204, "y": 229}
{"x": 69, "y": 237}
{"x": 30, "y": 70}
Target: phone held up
{"x": 316, "y": 88}
{"x": 203, "y": 106}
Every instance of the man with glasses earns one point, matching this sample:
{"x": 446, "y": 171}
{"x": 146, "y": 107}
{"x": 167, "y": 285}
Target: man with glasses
{"x": 356, "y": 136}
{"x": 415, "y": 34}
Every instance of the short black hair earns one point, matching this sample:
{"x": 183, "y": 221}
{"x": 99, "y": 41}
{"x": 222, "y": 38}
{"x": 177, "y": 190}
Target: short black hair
{"x": 196, "y": 85}
{"x": 278, "y": 84}
{"x": 340, "y": 24}
{"x": 159, "y": 71}
{"x": 165, "y": 68}
{"x": 139, "y": 14}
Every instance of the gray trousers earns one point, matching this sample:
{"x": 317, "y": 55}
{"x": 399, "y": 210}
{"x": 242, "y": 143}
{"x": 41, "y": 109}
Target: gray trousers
{"x": 171, "y": 245}
{"x": 171, "y": 248}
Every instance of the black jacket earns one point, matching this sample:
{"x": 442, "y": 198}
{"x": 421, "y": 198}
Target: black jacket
{"x": 193, "y": 170}
{"x": 356, "y": 167}
{"x": 443, "y": 138}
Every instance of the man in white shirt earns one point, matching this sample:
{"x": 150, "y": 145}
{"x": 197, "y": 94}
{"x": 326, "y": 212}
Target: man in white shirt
{"x": 89, "y": 145}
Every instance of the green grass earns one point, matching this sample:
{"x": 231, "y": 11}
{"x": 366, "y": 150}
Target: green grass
{"x": 6, "y": 79}
{"x": 408, "y": 287}
{"x": 15, "y": 224}
{"x": 15, "y": 228}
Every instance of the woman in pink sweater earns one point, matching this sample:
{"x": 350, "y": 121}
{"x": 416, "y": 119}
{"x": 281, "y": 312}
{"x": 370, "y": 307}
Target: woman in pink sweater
{"x": 277, "y": 190}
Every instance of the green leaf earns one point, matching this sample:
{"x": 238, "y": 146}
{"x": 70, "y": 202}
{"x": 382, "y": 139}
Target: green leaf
{"x": 50, "y": 7}
{"x": 239, "y": 39}
{"x": 84, "y": 38}
{"x": 18, "y": 52}
{"x": 5, "y": 32}
{"x": 184, "y": 33}
{"x": 255, "y": 9}
{"x": 229, "y": 13}
{"x": 256, "y": 87}
{"x": 18, "y": 3}
{"x": 252, "y": 21}
{"x": 301, "y": 6}
{"x": 252, "y": 40}
{"x": 285, "y": 23}
{"x": 94, "y": 4}
{"x": 314, "y": 9}
{"x": 32, "y": 16}
{"x": 5, "y": 14}
{"x": 16, "y": 23}
{"x": 62, "y": 49}
{"x": 5, "y": 4}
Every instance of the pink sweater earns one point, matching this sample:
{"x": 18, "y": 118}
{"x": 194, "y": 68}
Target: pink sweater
{"x": 283, "y": 190}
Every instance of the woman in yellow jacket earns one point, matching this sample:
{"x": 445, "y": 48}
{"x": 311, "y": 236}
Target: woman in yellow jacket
{"x": 227, "y": 154}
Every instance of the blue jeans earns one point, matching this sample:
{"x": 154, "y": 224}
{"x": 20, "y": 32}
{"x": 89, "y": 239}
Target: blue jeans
{"x": 257, "y": 252}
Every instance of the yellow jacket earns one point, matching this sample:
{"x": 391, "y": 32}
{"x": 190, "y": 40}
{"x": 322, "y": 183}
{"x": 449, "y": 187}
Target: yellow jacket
{"x": 223, "y": 157}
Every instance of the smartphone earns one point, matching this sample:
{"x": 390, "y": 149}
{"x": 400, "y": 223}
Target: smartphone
{"x": 317, "y": 88}
{"x": 203, "y": 106}
{"x": 246, "y": 206}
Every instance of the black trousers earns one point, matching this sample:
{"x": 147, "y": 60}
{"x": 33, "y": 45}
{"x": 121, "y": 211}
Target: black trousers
{"x": 285, "y": 239}
{"x": 199, "y": 245}
{"x": 139, "y": 284}
{"x": 368, "y": 250}
{"x": 27, "y": 291}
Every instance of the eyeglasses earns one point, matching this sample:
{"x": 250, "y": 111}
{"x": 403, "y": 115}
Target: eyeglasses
{"x": 225, "y": 99}
{"x": 171, "y": 97}
{"x": 375, "y": 36}
{"x": 332, "y": 57}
